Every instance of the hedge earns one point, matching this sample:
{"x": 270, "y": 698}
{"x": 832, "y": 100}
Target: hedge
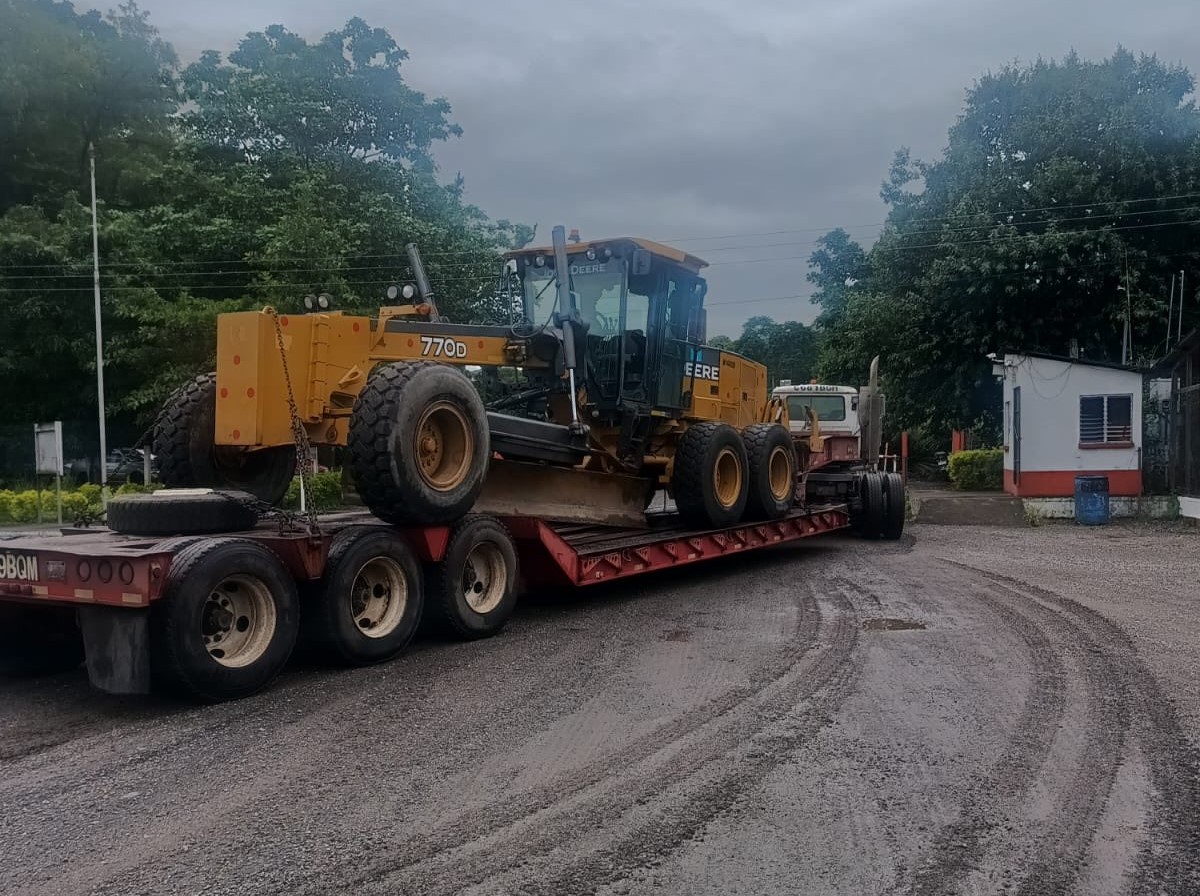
{"x": 980, "y": 470}
{"x": 22, "y": 506}
{"x": 324, "y": 492}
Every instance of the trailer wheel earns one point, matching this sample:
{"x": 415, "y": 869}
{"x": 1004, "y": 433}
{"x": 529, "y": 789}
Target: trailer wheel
{"x": 772, "y": 470}
{"x": 183, "y": 441}
{"x": 227, "y": 621}
{"x": 871, "y": 520}
{"x": 473, "y": 591}
{"x": 710, "y": 482}
{"x": 893, "y": 500}
{"x": 369, "y": 603}
{"x": 38, "y": 640}
{"x": 419, "y": 444}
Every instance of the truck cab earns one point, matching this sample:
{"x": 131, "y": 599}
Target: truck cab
{"x": 836, "y": 409}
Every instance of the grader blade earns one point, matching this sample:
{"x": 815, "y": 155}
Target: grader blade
{"x": 562, "y": 494}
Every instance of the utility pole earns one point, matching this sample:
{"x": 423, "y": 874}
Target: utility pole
{"x": 99, "y": 336}
{"x": 1179, "y": 330}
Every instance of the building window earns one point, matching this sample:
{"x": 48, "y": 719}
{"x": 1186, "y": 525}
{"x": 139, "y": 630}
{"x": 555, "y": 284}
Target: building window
{"x": 1105, "y": 419}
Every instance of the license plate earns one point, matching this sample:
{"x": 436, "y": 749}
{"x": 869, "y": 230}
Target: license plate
{"x": 18, "y": 567}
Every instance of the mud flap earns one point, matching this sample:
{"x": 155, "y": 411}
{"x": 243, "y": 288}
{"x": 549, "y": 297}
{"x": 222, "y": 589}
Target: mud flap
{"x": 116, "y": 643}
{"x": 563, "y": 494}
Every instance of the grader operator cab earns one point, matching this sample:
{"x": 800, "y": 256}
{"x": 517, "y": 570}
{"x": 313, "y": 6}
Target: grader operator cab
{"x": 618, "y": 397}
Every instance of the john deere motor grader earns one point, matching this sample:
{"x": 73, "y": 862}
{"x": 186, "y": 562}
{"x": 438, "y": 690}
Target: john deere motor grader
{"x": 619, "y": 398}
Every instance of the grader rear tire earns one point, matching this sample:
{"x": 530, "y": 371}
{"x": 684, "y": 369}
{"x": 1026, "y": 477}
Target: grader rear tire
{"x": 772, "y": 471}
{"x": 183, "y": 441}
{"x": 419, "y": 444}
{"x": 710, "y": 482}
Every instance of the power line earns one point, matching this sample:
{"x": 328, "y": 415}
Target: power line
{"x": 484, "y": 253}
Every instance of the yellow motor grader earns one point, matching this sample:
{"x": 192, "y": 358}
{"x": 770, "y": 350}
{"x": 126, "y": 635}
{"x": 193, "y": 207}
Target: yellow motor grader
{"x": 612, "y": 396}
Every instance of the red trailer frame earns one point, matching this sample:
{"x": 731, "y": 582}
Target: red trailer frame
{"x": 113, "y": 579}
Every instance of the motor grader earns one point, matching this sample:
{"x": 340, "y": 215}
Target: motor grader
{"x": 616, "y": 398}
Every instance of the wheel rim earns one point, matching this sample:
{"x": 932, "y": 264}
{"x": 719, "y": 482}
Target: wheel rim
{"x": 238, "y": 621}
{"x": 444, "y": 446}
{"x": 485, "y": 578}
{"x": 378, "y": 597}
{"x": 779, "y": 474}
{"x": 727, "y": 477}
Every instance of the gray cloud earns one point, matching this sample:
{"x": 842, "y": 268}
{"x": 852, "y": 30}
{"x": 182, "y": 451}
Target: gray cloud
{"x": 703, "y": 121}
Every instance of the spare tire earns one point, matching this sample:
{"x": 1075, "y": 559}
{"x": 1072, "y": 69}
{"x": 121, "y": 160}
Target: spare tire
{"x": 419, "y": 443}
{"x": 182, "y": 511}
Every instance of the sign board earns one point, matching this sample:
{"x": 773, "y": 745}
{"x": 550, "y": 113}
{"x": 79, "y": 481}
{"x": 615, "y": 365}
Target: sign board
{"x": 48, "y": 447}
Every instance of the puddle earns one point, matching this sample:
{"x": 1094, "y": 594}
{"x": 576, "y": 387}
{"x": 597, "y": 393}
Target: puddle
{"x": 891, "y": 625}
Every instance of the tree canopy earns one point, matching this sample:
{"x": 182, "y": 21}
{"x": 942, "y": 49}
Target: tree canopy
{"x": 288, "y": 168}
{"x": 1061, "y": 183}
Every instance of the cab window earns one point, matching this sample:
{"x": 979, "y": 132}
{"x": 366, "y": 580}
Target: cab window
{"x": 828, "y": 407}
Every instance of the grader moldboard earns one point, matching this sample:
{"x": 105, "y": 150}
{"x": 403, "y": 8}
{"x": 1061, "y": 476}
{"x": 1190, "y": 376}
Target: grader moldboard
{"x": 619, "y": 398}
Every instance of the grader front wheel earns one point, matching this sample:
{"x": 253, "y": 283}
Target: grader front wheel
{"x": 188, "y": 458}
{"x": 419, "y": 444}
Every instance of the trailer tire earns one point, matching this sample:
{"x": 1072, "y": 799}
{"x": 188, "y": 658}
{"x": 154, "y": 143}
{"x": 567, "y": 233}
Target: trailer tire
{"x": 472, "y": 592}
{"x": 366, "y": 565}
{"x": 38, "y": 640}
{"x": 184, "y": 437}
{"x": 419, "y": 443}
{"x": 894, "y": 509}
{"x": 710, "y": 480}
{"x": 182, "y": 512}
{"x": 871, "y": 519}
{"x": 772, "y": 462}
{"x": 227, "y": 621}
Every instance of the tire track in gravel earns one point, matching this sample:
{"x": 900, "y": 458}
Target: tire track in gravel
{"x": 959, "y": 847}
{"x": 632, "y": 781}
{"x": 1169, "y": 861}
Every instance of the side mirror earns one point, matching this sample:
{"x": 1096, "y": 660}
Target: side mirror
{"x": 640, "y": 263}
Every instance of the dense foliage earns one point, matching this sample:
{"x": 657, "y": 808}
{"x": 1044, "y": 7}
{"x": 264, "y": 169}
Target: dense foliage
{"x": 288, "y": 168}
{"x": 789, "y": 349}
{"x": 1061, "y": 183}
{"x": 980, "y": 469}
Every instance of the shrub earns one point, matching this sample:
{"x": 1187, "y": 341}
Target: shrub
{"x": 6, "y": 504}
{"x": 133, "y": 488}
{"x": 977, "y": 470}
{"x": 25, "y": 507}
{"x": 324, "y": 492}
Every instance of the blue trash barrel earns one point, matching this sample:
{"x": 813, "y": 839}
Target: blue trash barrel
{"x": 1091, "y": 500}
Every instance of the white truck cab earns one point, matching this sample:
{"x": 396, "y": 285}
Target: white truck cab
{"x": 836, "y": 407}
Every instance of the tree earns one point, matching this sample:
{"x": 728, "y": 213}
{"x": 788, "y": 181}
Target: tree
{"x": 788, "y": 350}
{"x": 343, "y": 97}
{"x": 1060, "y": 182}
{"x": 837, "y": 265}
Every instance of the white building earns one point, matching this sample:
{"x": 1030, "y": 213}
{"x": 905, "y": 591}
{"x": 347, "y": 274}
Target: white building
{"x": 1066, "y": 416}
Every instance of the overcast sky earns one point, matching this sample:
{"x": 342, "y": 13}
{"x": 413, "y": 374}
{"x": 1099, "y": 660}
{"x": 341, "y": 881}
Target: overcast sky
{"x": 708, "y": 123}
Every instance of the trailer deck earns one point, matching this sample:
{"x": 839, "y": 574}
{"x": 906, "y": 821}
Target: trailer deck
{"x": 101, "y": 567}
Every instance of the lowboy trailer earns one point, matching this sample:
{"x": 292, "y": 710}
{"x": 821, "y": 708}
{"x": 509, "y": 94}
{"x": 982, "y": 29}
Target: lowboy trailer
{"x": 216, "y": 616}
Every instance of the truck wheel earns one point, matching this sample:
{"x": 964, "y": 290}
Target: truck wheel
{"x": 473, "y": 591}
{"x": 181, "y": 512}
{"x": 183, "y": 441}
{"x": 227, "y": 621}
{"x": 419, "y": 443}
{"x": 871, "y": 520}
{"x": 772, "y": 470}
{"x": 893, "y": 501}
{"x": 38, "y": 640}
{"x": 369, "y": 603}
{"x": 710, "y": 481}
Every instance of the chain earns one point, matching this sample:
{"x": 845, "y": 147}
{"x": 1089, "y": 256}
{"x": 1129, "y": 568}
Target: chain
{"x": 299, "y": 433}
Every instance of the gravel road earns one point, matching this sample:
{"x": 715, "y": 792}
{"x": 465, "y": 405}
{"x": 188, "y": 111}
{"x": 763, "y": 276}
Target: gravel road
{"x": 970, "y": 710}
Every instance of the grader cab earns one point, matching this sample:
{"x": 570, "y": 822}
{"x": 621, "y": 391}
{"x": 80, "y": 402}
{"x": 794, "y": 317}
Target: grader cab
{"x": 616, "y": 397}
